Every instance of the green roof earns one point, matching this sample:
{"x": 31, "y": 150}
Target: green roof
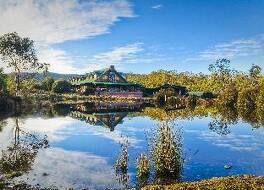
{"x": 102, "y": 83}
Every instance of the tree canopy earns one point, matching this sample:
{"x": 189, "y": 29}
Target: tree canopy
{"x": 19, "y": 55}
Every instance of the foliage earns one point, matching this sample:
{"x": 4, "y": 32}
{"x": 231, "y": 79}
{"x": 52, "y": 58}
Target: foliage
{"x": 166, "y": 151}
{"x": 11, "y": 85}
{"x": 221, "y": 71}
{"x": 255, "y": 73}
{"x": 3, "y": 82}
{"x": 219, "y": 126}
{"x": 237, "y": 90}
{"x": 47, "y": 83}
{"x": 122, "y": 160}
{"x": 61, "y": 86}
{"x": 228, "y": 96}
{"x": 121, "y": 164}
{"x": 142, "y": 166}
{"x": 221, "y": 183}
{"x": 19, "y": 54}
{"x": 194, "y": 82}
{"x": 247, "y": 99}
{"x": 260, "y": 102}
{"x": 19, "y": 157}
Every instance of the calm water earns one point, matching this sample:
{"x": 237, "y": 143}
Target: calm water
{"x": 83, "y": 146}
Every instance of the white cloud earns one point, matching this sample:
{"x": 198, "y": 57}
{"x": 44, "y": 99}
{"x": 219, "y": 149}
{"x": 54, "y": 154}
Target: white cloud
{"x": 61, "y": 128}
{"x": 51, "y": 127}
{"x": 58, "y": 21}
{"x": 232, "y": 49}
{"x": 159, "y": 6}
{"x": 67, "y": 169}
{"x": 124, "y": 54}
{"x": 236, "y": 142}
{"x": 52, "y": 22}
{"x": 64, "y": 63}
{"x": 60, "y": 61}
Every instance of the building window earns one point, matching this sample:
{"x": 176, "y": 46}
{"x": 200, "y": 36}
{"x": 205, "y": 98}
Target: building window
{"x": 112, "y": 77}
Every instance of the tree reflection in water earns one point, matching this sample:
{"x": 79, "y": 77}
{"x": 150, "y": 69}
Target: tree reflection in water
{"x": 121, "y": 164}
{"x": 18, "y": 158}
{"x": 219, "y": 126}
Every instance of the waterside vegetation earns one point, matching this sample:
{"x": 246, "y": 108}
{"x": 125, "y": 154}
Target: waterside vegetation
{"x": 219, "y": 183}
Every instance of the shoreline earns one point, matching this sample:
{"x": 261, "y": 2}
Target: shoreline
{"x": 247, "y": 182}
{"x": 234, "y": 182}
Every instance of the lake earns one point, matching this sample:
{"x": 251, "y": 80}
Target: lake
{"x": 82, "y": 142}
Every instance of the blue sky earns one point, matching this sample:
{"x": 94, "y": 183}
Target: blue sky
{"x": 139, "y": 36}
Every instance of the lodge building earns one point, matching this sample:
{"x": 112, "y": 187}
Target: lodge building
{"x": 106, "y": 82}
{"x": 109, "y": 82}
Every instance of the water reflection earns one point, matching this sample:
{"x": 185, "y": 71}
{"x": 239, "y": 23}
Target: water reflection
{"x": 18, "y": 157}
{"x": 84, "y": 143}
{"x": 104, "y": 114}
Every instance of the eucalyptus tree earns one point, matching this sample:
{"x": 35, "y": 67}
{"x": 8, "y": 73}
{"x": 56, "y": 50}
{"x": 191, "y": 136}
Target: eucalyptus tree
{"x": 222, "y": 73}
{"x": 19, "y": 55}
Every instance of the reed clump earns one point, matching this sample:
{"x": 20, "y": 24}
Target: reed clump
{"x": 121, "y": 164}
{"x": 142, "y": 166}
{"x": 166, "y": 151}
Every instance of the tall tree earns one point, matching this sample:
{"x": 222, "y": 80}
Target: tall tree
{"x": 19, "y": 54}
{"x": 222, "y": 74}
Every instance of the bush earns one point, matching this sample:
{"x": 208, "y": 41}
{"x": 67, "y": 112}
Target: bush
{"x": 260, "y": 96}
{"x": 61, "y": 86}
{"x": 142, "y": 166}
{"x": 166, "y": 153}
{"x": 228, "y": 96}
{"x": 247, "y": 99}
{"x": 47, "y": 83}
{"x": 3, "y": 83}
{"x": 121, "y": 164}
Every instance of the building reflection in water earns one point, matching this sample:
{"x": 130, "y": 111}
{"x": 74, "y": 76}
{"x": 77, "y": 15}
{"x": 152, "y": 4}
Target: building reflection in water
{"x": 103, "y": 113}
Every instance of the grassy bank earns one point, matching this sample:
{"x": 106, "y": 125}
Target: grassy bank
{"x": 245, "y": 182}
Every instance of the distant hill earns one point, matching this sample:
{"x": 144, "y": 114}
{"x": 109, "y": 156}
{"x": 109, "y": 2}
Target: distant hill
{"x": 55, "y": 76}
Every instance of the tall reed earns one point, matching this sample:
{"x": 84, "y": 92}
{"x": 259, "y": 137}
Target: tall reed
{"x": 166, "y": 151}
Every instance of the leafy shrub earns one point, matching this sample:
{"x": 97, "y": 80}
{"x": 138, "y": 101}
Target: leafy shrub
{"x": 228, "y": 96}
{"x": 247, "y": 99}
{"x": 142, "y": 166}
{"x": 47, "y": 83}
{"x": 121, "y": 164}
{"x": 166, "y": 153}
{"x": 3, "y": 82}
{"x": 191, "y": 101}
{"x": 61, "y": 86}
{"x": 122, "y": 160}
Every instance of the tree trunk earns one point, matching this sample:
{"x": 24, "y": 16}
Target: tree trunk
{"x": 17, "y": 81}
